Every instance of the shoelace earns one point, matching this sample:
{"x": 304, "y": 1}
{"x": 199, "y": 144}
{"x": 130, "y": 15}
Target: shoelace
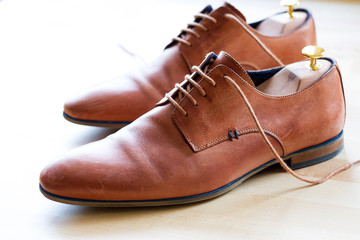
{"x": 185, "y": 92}
{"x": 191, "y": 26}
{"x": 254, "y": 117}
{"x": 262, "y": 45}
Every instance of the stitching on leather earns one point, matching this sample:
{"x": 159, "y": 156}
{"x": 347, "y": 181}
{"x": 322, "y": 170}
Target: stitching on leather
{"x": 182, "y": 129}
{"x": 233, "y": 72}
{"x": 222, "y": 13}
{"x": 243, "y": 132}
{"x": 208, "y": 144}
{"x": 214, "y": 111}
{"x": 185, "y": 132}
{"x": 243, "y": 63}
{"x": 246, "y": 63}
{"x": 280, "y": 141}
{"x": 237, "y": 64}
{"x": 200, "y": 81}
{"x": 252, "y": 130}
{"x": 282, "y": 144}
{"x": 210, "y": 72}
{"x": 212, "y": 143}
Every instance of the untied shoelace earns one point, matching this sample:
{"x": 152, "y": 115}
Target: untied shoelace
{"x": 185, "y": 92}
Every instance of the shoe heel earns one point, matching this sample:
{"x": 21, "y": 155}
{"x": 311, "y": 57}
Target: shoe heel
{"x": 316, "y": 154}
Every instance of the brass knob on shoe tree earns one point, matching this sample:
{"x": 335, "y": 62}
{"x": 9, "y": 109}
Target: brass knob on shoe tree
{"x": 290, "y": 4}
{"x": 313, "y": 52}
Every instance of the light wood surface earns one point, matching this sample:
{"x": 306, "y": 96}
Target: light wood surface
{"x": 50, "y": 49}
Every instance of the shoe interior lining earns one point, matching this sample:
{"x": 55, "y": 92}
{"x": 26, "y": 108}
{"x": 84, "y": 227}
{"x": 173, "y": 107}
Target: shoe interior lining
{"x": 281, "y": 23}
{"x": 290, "y": 79}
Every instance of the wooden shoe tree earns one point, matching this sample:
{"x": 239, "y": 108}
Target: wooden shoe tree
{"x": 297, "y": 76}
{"x": 283, "y": 23}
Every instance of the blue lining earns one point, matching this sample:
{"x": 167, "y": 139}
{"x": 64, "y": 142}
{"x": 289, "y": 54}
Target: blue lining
{"x": 255, "y": 24}
{"x": 260, "y": 76}
{"x": 94, "y": 121}
{"x": 317, "y": 160}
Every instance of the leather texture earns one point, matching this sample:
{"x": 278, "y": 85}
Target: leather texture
{"x": 165, "y": 154}
{"x": 127, "y": 98}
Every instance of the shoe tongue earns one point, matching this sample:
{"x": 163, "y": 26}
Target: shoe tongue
{"x": 225, "y": 59}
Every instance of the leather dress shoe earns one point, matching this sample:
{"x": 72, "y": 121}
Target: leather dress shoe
{"x": 204, "y": 137}
{"x": 272, "y": 42}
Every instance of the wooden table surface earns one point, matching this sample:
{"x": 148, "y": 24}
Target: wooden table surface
{"x": 50, "y": 49}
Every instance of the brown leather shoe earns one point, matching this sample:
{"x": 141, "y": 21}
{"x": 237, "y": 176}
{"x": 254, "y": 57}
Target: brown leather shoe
{"x": 272, "y": 42}
{"x": 204, "y": 138}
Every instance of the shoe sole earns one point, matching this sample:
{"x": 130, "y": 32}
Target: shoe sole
{"x": 299, "y": 159}
{"x": 94, "y": 123}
